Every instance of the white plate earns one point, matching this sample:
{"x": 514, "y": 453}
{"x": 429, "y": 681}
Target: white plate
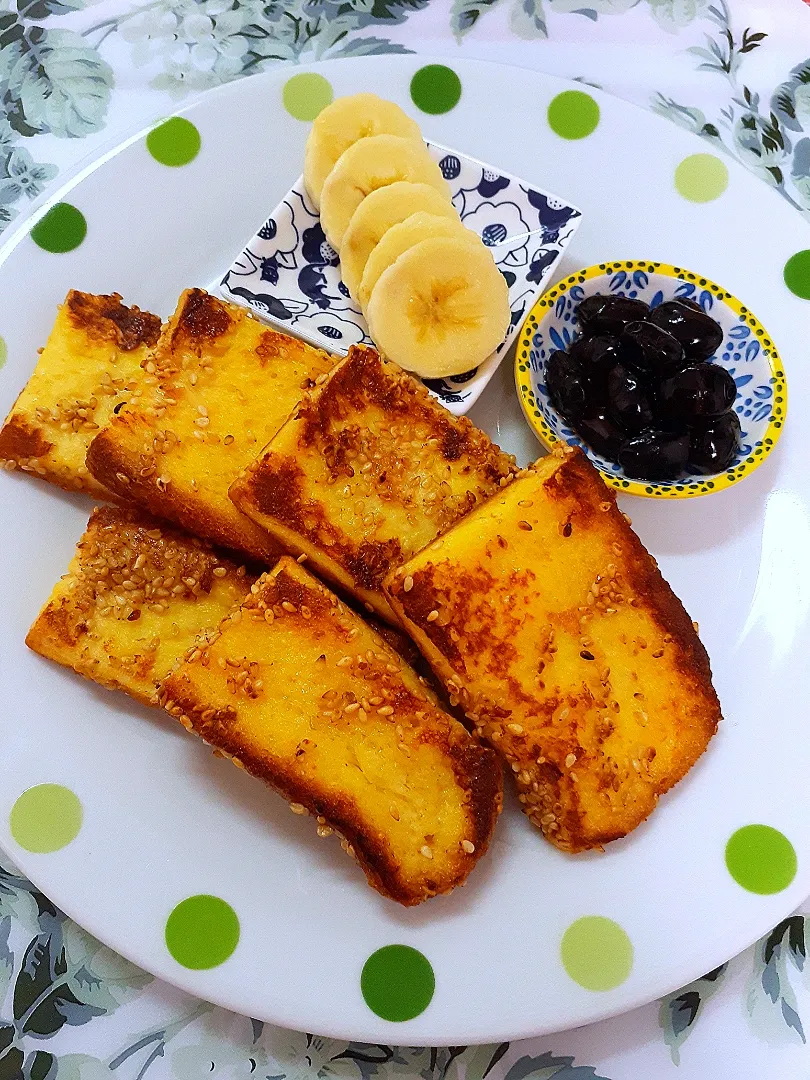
{"x": 165, "y": 819}
{"x": 290, "y": 276}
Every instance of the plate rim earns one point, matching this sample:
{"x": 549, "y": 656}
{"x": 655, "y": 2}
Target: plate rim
{"x": 72, "y": 179}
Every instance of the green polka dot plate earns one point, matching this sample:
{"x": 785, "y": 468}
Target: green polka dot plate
{"x": 198, "y": 873}
{"x": 746, "y": 352}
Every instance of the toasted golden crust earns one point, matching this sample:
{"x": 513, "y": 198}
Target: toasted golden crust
{"x": 88, "y": 369}
{"x": 368, "y": 470}
{"x": 135, "y": 597}
{"x": 221, "y": 384}
{"x": 546, "y": 616}
{"x": 299, "y": 691}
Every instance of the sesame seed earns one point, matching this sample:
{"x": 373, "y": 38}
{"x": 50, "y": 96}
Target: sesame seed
{"x": 525, "y": 526}
{"x": 219, "y": 571}
{"x": 570, "y": 760}
{"x": 468, "y": 846}
{"x": 298, "y": 808}
{"x": 355, "y": 705}
{"x": 287, "y": 605}
{"x": 394, "y": 812}
{"x": 516, "y": 729}
{"x": 324, "y": 831}
{"x": 407, "y": 584}
{"x": 386, "y": 710}
{"x": 586, "y": 655}
{"x": 426, "y": 851}
{"x": 344, "y": 661}
{"x": 433, "y": 615}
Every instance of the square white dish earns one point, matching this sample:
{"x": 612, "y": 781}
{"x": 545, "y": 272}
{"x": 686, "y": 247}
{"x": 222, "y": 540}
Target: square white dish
{"x": 289, "y": 274}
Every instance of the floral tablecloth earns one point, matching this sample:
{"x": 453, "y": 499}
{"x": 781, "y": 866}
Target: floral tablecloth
{"x": 76, "y": 75}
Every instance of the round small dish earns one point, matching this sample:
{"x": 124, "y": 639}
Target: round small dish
{"x": 747, "y": 353}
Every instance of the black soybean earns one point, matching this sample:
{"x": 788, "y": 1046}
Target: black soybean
{"x": 609, "y": 314}
{"x": 714, "y": 446}
{"x": 654, "y": 351}
{"x": 597, "y": 357}
{"x": 566, "y": 387}
{"x": 699, "y": 392}
{"x": 697, "y": 332}
{"x": 636, "y": 388}
{"x": 601, "y": 434}
{"x": 654, "y": 455}
{"x": 628, "y": 399}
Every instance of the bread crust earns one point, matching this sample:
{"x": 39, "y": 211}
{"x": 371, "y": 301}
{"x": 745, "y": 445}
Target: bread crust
{"x": 408, "y": 789}
{"x": 545, "y": 615}
{"x": 89, "y": 367}
{"x": 367, "y": 470}
{"x": 220, "y": 384}
{"x": 136, "y": 595}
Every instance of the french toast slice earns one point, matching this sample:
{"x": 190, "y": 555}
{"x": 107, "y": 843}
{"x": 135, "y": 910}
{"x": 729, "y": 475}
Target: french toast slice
{"x": 304, "y": 695}
{"x": 136, "y": 596}
{"x": 221, "y": 384}
{"x": 545, "y": 616}
{"x": 89, "y": 367}
{"x": 367, "y": 470}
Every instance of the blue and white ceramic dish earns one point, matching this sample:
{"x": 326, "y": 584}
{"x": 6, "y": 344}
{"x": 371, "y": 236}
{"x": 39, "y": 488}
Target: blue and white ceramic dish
{"x": 747, "y": 353}
{"x": 289, "y": 275}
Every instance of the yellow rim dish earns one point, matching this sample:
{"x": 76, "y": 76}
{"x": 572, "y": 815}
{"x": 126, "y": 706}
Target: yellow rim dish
{"x": 691, "y": 486}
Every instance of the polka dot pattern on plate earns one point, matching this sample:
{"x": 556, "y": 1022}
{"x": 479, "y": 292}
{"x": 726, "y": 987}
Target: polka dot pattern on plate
{"x": 573, "y": 114}
{"x": 435, "y": 89}
{"x": 797, "y": 274}
{"x": 202, "y": 932}
{"x": 397, "y": 982}
{"x": 761, "y": 859}
{"x": 62, "y": 229}
{"x": 174, "y": 142}
{"x": 596, "y": 953}
{"x": 306, "y": 94}
{"x": 46, "y": 818}
{"x": 701, "y": 178}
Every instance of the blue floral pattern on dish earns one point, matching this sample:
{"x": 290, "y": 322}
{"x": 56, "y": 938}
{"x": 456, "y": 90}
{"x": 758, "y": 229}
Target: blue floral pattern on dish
{"x": 290, "y": 275}
{"x": 746, "y": 352}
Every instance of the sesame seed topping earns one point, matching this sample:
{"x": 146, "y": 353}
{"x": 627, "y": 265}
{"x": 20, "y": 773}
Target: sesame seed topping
{"x": 516, "y": 729}
{"x": 426, "y": 851}
{"x": 407, "y": 584}
{"x": 298, "y": 808}
{"x": 468, "y": 846}
{"x": 433, "y": 616}
{"x": 525, "y": 526}
{"x": 570, "y": 760}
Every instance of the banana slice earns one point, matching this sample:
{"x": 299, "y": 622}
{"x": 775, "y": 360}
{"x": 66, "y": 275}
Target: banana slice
{"x": 376, "y": 214}
{"x": 413, "y": 230}
{"x": 342, "y": 123}
{"x": 368, "y": 164}
{"x": 441, "y": 308}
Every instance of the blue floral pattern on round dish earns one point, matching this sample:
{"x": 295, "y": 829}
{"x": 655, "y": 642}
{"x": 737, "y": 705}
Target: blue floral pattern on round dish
{"x": 747, "y": 353}
{"x": 289, "y": 275}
